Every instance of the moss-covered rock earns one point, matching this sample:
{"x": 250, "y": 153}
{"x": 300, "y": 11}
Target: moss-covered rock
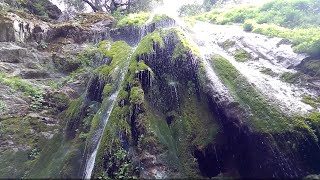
{"x": 242, "y": 56}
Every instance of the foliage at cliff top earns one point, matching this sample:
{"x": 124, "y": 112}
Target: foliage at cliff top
{"x": 135, "y": 20}
{"x": 183, "y": 45}
{"x": 295, "y": 20}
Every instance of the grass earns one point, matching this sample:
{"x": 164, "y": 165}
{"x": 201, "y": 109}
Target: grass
{"x": 32, "y": 91}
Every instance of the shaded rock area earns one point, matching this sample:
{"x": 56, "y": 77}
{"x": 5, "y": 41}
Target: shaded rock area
{"x": 43, "y": 66}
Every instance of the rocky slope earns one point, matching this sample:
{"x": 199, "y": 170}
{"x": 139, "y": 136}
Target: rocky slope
{"x": 149, "y": 99}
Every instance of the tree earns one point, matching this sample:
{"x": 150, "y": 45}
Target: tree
{"x": 110, "y": 6}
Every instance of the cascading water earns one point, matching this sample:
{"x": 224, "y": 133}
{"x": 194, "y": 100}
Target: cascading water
{"x": 206, "y": 36}
{"x": 266, "y": 52}
{"x": 97, "y": 136}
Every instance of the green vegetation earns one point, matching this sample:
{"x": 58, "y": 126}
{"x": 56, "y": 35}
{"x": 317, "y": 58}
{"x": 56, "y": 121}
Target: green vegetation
{"x": 136, "y": 96}
{"x": 312, "y": 101}
{"x": 310, "y": 67}
{"x": 228, "y": 44}
{"x": 269, "y": 72}
{"x": 249, "y": 25}
{"x": 159, "y": 17}
{"x": 18, "y": 129}
{"x": 118, "y": 53}
{"x": 146, "y": 44}
{"x": 291, "y": 77}
{"x": 3, "y": 106}
{"x": 30, "y": 90}
{"x": 241, "y": 55}
{"x": 183, "y": 45}
{"x": 135, "y": 20}
{"x": 190, "y": 10}
{"x": 107, "y": 90}
{"x": 285, "y": 13}
{"x": 306, "y": 40}
{"x": 295, "y": 20}
{"x": 264, "y": 116}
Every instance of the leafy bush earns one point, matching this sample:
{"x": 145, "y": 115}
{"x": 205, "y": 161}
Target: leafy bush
{"x": 248, "y": 25}
{"x": 285, "y": 13}
{"x": 136, "y": 20}
{"x": 305, "y": 40}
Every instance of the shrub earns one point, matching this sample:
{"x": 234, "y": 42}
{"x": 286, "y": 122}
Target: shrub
{"x": 248, "y": 25}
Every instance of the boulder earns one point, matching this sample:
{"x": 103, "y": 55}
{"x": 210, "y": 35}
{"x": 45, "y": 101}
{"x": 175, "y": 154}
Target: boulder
{"x": 11, "y": 53}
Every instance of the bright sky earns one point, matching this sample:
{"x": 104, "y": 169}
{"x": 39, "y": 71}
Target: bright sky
{"x": 171, "y": 6}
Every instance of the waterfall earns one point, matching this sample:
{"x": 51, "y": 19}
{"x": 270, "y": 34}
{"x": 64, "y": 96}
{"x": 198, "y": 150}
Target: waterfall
{"x": 265, "y": 54}
{"x": 98, "y": 133}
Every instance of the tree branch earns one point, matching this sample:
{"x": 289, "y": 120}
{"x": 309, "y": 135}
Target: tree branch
{"x": 94, "y": 8}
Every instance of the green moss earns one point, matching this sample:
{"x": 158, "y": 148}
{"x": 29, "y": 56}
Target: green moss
{"x": 74, "y": 109}
{"x": 183, "y": 45}
{"x": 291, "y": 77}
{"x": 13, "y": 164}
{"x": 159, "y": 17}
{"x": 265, "y": 117}
{"x": 136, "y": 96}
{"x": 228, "y": 44}
{"x": 314, "y": 102}
{"x": 135, "y": 20}
{"x": 311, "y": 67}
{"x": 146, "y": 44}
{"x": 22, "y": 130}
{"x": 19, "y": 84}
{"x": 141, "y": 66}
{"x": 107, "y": 90}
{"x": 123, "y": 95}
{"x": 118, "y": 53}
{"x": 110, "y": 142}
{"x": 58, "y": 159}
{"x": 269, "y": 72}
{"x": 195, "y": 127}
{"x": 242, "y": 56}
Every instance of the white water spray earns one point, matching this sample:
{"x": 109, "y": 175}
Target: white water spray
{"x": 99, "y": 133}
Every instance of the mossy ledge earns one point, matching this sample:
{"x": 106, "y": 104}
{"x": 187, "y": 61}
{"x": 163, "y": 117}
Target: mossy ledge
{"x": 148, "y": 126}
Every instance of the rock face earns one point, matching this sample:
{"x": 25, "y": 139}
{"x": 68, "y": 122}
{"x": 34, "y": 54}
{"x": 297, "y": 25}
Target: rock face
{"x": 167, "y": 108}
{"x": 16, "y": 29}
{"x": 36, "y": 86}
